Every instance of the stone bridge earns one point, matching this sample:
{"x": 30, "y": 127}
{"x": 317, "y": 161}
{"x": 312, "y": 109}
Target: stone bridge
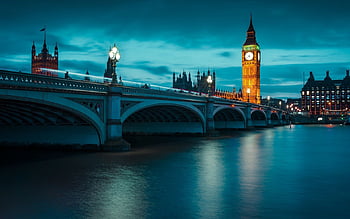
{"x": 51, "y": 110}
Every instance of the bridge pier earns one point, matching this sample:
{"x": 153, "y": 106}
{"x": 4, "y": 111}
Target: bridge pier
{"x": 247, "y": 113}
{"x": 268, "y": 118}
{"x": 114, "y": 140}
{"x": 210, "y": 124}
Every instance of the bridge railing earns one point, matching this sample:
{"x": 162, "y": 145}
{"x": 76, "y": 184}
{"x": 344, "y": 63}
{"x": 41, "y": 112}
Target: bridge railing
{"x": 168, "y": 93}
{"x": 18, "y": 79}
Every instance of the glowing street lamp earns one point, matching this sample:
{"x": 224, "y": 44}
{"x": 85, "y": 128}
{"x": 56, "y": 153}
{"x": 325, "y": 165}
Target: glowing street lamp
{"x": 114, "y": 55}
{"x": 280, "y": 103}
{"x": 210, "y": 81}
{"x": 248, "y": 92}
{"x": 268, "y": 100}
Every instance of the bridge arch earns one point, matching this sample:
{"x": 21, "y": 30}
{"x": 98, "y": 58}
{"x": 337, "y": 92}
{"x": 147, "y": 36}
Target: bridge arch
{"x": 259, "y": 118}
{"x": 275, "y": 119}
{"x": 226, "y": 117}
{"x": 274, "y": 116}
{"x": 46, "y": 118}
{"x": 159, "y": 117}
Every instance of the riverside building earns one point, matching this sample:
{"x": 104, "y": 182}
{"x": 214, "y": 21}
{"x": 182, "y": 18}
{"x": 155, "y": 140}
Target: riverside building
{"x": 327, "y": 96}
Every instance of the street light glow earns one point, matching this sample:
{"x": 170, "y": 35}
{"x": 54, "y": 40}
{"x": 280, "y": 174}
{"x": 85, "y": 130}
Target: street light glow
{"x": 209, "y": 80}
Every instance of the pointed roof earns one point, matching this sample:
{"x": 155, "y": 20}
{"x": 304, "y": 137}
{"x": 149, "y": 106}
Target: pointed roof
{"x": 44, "y": 50}
{"x": 251, "y": 27}
{"x": 311, "y": 78}
{"x": 346, "y": 80}
{"x": 327, "y": 78}
{"x": 251, "y": 40}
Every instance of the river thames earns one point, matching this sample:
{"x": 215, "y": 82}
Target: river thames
{"x": 300, "y": 171}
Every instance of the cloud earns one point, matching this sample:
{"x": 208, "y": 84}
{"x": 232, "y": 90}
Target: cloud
{"x": 225, "y": 54}
{"x": 155, "y": 70}
{"x": 158, "y": 37}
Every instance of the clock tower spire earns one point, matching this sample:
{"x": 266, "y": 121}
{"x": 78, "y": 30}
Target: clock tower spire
{"x": 251, "y": 67}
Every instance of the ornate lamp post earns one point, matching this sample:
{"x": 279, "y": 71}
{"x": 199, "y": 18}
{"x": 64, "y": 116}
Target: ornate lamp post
{"x": 248, "y": 92}
{"x": 210, "y": 81}
{"x": 114, "y": 55}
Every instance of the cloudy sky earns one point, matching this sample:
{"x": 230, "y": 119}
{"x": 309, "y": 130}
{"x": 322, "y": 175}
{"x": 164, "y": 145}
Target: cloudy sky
{"x": 159, "y": 37}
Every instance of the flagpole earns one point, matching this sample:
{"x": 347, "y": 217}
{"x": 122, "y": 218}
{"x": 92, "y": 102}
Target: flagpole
{"x": 45, "y": 34}
{"x": 44, "y": 29}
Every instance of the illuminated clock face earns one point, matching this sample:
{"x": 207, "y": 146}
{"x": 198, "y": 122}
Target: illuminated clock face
{"x": 249, "y": 56}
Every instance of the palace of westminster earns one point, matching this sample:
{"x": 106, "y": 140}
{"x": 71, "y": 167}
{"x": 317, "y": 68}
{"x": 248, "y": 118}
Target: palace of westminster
{"x": 317, "y": 96}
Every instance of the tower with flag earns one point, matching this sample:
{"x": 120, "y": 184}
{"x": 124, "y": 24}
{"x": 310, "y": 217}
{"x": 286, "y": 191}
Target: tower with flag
{"x": 44, "y": 61}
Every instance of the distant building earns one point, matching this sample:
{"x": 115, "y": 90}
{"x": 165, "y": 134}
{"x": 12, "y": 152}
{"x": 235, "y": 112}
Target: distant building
{"x": 274, "y": 102}
{"x": 201, "y": 85}
{"x": 294, "y": 105}
{"x": 327, "y": 96}
{"x": 231, "y": 95}
{"x": 44, "y": 61}
{"x": 109, "y": 69}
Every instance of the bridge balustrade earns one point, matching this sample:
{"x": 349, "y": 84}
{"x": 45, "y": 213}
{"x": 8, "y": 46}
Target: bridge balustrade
{"x": 38, "y": 81}
{"x": 168, "y": 93}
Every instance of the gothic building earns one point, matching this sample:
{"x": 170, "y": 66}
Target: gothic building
{"x": 44, "y": 61}
{"x": 251, "y": 67}
{"x": 201, "y": 85}
{"x": 109, "y": 69}
{"x": 326, "y": 96}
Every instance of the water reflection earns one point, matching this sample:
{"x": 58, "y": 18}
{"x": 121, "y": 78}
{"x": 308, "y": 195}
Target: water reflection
{"x": 210, "y": 180}
{"x": 254, "y": 155}
{"x": 298, "y": 172}
{"x": 119, "y": 193}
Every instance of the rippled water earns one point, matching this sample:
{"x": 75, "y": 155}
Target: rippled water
{"x": 298, "y": 172}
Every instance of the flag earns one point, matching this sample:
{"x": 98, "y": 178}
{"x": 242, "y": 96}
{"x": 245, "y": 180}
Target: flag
{"x": 43, "y": 29}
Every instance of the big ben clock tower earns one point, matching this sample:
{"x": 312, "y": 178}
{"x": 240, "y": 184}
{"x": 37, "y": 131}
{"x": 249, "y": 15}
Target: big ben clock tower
{"x": 251, "y": 67}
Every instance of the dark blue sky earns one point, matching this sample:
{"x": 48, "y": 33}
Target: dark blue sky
{"x": 158, "y": 37}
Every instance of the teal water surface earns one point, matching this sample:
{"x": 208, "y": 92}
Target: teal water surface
{"x": 283, "y": 172}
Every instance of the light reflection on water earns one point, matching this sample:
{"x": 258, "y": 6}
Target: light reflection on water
{"x": 297, "y": 172}
{"x": 210, "y": 180}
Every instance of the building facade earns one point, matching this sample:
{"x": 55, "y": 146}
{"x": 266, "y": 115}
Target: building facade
{"x": 327, "y": 96}
{"x": 201, "y": 84}
{"x": 44, "y": 61}
{"x": 251, "y": 67}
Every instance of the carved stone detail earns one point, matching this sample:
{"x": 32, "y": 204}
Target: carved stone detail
{"x": 125, "y": 105}
{"x": 202, "y": 108}
{"x": 95, "y": 105}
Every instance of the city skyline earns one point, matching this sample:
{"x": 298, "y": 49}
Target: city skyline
{"x": 157, "y": 38}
